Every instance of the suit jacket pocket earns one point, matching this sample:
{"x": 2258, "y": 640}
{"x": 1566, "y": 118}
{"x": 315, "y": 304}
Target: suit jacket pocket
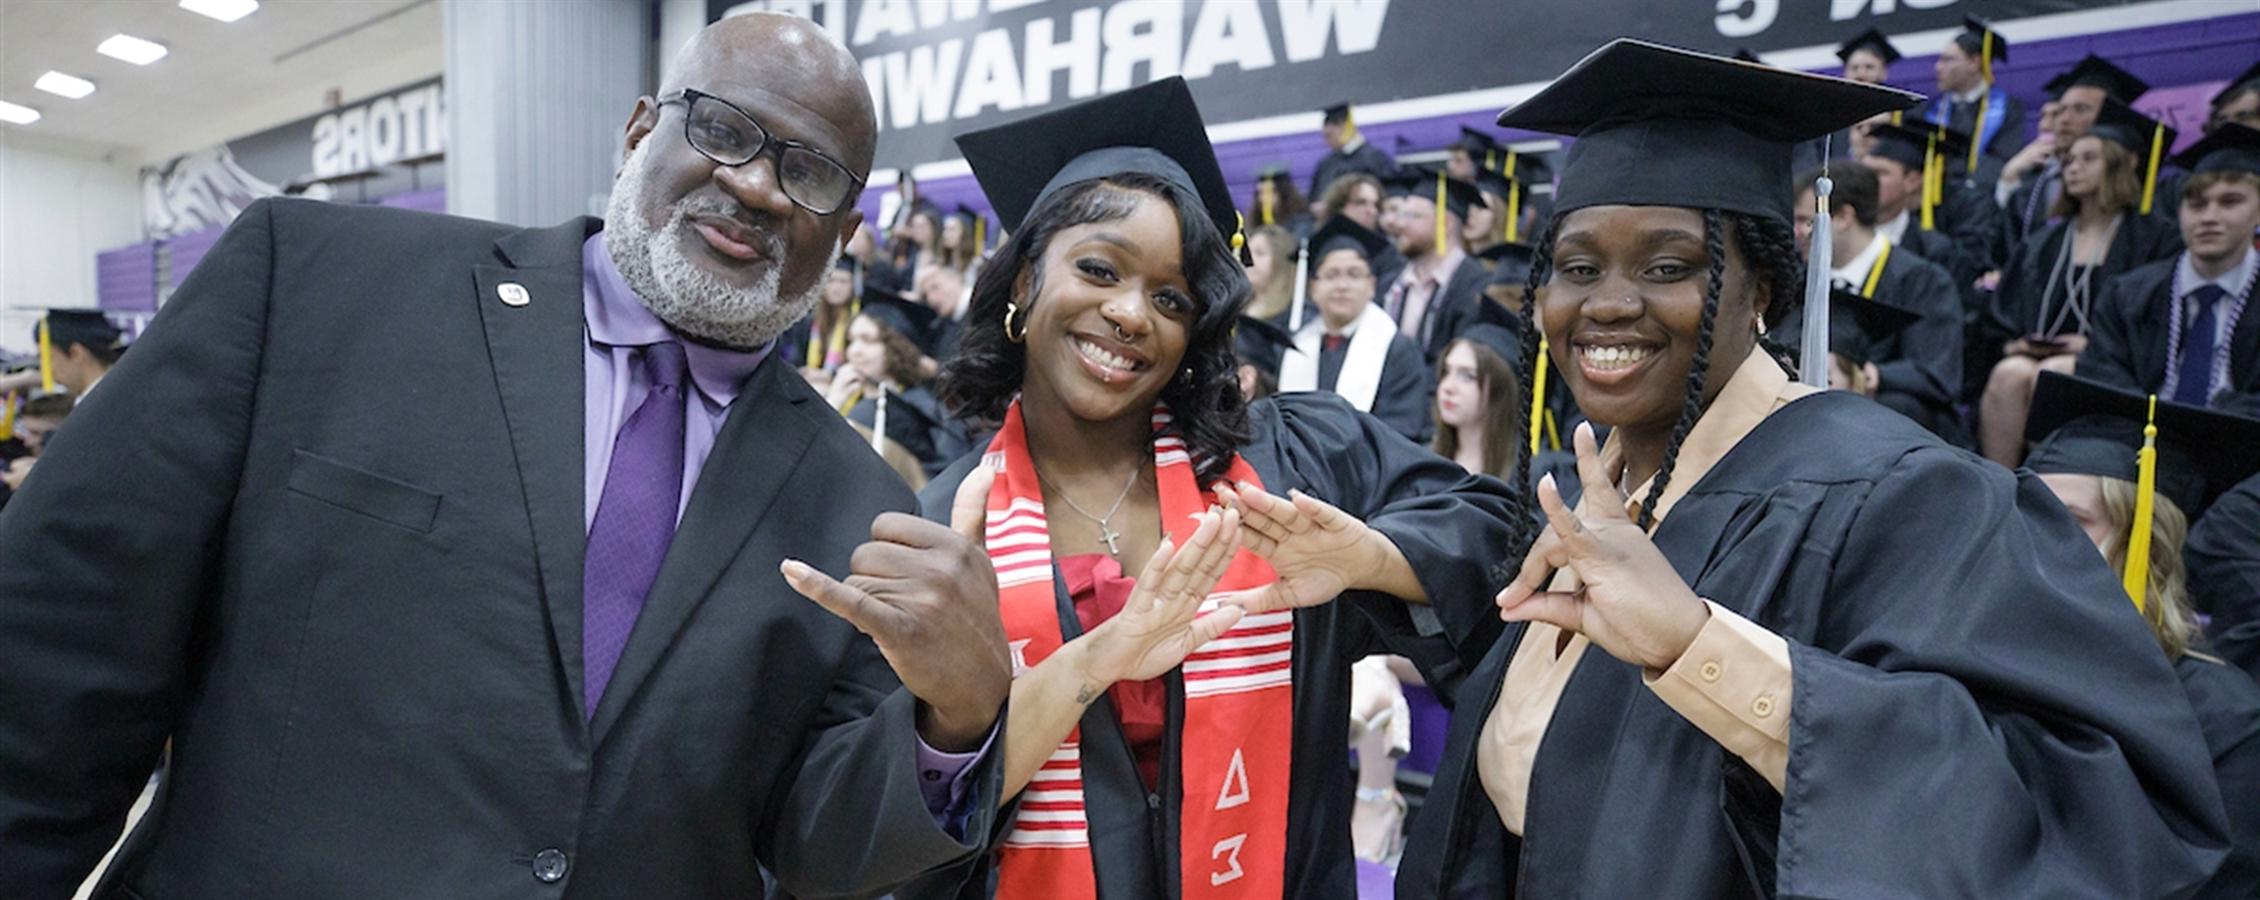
{"x": 364, "y": 492}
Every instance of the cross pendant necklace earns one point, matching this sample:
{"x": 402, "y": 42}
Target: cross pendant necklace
{"x": 1107, "y": 533}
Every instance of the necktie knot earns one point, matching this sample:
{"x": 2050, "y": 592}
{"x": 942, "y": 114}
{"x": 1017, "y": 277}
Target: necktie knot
{"x": 2208, "y": 294}
{"x": 667, "y": 366}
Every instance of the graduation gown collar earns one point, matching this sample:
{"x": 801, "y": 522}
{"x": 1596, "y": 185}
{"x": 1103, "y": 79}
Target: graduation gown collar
{"x": 1362, "y": 360}
{"x": 1757, "y": 388}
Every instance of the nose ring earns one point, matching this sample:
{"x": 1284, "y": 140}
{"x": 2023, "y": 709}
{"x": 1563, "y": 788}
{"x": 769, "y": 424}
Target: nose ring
{"x": 1119, "y": 333}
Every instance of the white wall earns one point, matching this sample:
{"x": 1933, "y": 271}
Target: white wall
{"x": 60, "y": 204}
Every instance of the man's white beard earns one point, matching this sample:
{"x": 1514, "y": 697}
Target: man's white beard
{"x": 684, "y": 295}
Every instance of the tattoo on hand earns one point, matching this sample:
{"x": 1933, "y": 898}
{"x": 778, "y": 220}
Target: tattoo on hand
{"x": 1087, "y": 693}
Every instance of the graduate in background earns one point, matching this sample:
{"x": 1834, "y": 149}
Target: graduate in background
{"x": 1867, "y": 57}
{"x": 1947, "y": 220}
{"x": 1919, "y": 371}
{"x": 1350, "y": 153}
{"x": 1274, "y": 255}
{"x": 1260, "y": 348}
{"x": 2238, "y": 103}
{"x": 2183, "y": 327}
{"x": 2089, "y": 438}
{"x": 1970, "y": 102}
{"x": 1741, "y": 648}
{"x": 1365, "y": 200}
{"x": 1352, "y": 347}
{"x": 2223, "y": 555}
{"x": 1440, "y": 291}
{"x": 819, "y": 345}
{"x": 1477, "y": 418}
{"x": 882, "y": 387}
{"x": 1278, "y": 203}
{"x": 2033, "y": 180}
{"x": 2102, "y": 226}
{"x": 1100, "y": 340}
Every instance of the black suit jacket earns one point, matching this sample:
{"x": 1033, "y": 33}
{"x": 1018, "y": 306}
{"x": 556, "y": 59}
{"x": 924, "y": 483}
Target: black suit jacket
{"x": 323, "y": 531}
{"x": 1452, "y": 310}
{"x": 2127, "y": 338}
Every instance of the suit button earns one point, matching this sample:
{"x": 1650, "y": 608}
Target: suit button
{"x": 550, "y": 865}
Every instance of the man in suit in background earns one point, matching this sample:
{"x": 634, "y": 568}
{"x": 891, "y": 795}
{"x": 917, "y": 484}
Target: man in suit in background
{"x": 446, "y": 555}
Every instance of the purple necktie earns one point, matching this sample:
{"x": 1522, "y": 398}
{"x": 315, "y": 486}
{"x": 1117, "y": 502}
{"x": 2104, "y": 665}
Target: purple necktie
{"x": 635, "y": 520}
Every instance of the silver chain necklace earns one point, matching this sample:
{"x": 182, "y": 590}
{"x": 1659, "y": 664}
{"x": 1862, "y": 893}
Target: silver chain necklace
{"x": 1107, "y": 533}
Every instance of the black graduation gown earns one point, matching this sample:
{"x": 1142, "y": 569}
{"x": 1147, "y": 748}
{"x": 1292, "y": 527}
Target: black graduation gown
{"x": 1407, "y": 387}
{"x": 1962, "y": 117}
{"x": 1367, "y": 158}
{"x": 2240, "y": 645}
{"x": 2016, "y": 305}
{"x": 1450, "y": 526}
{"x": 2223, "y": 557}
{"x": 1978, "y": 711}
{"x": 1963, "y": 229}
{"x": 2227, "y": 704}
{"x": 2131, "y": 324}
{"x": 1921, "y": 367}
{"x": 915, "y": 420}
{"x": 1460, "y": 304}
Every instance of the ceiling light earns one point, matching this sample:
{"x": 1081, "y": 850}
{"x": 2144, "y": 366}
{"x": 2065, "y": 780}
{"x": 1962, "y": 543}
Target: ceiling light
{"x": 223, "y": 10}
{"x": 131, "y": 49}
{"x": 17, "y": 115}
{"x": 63, "y": 85}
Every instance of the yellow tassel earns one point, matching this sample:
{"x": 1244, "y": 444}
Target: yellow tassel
{"x": 1490, "y": 159}
{"x": 1514, "y": 212}
{"x": 1239, "y": 231}
{"x": 1266, "y": 213}
{"x": 1537, "y": 391}
{"x": 1985, "y": 69}
{"x": 1349, "y": 128}
{"x": 1440, "y": 212}
{"x": 1875, "y": 272}
{"x": 1895, "y": 118}
{"x": 854, "y": 397}
{"x": 2150, "y": 172}
{"x": 980, "y": 236}
{"x": 46, "y": 358}
{"x": 7, "y": 416}
{"x": 2136, "y": 578}
{"x": 815, "y": 351}
{"x": 1933, "y": 180}
{"x": 1553, "y": 431}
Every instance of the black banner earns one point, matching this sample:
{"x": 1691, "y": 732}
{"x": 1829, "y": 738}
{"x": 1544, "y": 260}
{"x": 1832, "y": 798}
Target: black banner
{"x": 939, "y": 67}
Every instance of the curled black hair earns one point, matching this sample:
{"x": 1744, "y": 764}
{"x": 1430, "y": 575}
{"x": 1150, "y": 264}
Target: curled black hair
{"x": 1206, "y": 407}
{"x": 1769, "y": 252}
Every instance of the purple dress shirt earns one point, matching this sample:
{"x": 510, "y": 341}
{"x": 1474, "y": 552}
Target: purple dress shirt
{"x": 618, "y": 324}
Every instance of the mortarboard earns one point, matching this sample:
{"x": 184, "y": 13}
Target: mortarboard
{"x": 912, "y": 320}
{"x": 2147, "y": 138}
{"x": 2088, "y": 428}
{"x": 1871, "y": 322}
{"x": 1872, "y": 41}
{"x": 1342, "y": 233}
{"x": 1477, "y": 144}
{"x": 2248, "y": 76}
{"x": 1493, "y": 183}
{"x": 977, "y": 223}
{"x": 1337, "y": 113}
{"x": 2095, "y": 71}
{"x": 82, "y": 326}
{"x": 1261, "y": 344}
{"x": 1921, "y": 148}
{"x": 1153, "y": 129}
{"x": 1499, "y": 339}
{"x": 1979, "y": 40}
{"x": 1510, "y": 263}
{"x": 1661, "y": 126}
{"x": 2231, "y": 147}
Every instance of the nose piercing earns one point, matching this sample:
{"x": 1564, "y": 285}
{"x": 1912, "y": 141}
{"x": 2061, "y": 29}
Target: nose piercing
{"x": 1119, "y": 333}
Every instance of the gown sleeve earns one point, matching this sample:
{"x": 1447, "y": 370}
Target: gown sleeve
{"x": 1929, "y": 758}
{"x": 2227, "y": 704}
{"x": 2223, "y": 553}
{"x": 1930, "y": 361}
{"x": 1406, "y": 390}
{"x": 1453, "y": 527}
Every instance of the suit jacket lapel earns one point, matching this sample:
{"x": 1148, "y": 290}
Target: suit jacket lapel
{"x": 537, "y": 350}
{"x": 768, "y": 429}
{"x": 2244, "y": 349}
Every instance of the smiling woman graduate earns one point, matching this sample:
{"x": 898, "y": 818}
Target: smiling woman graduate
{"x": 1099, "y": 343}
{"x": 1789, "y": 643}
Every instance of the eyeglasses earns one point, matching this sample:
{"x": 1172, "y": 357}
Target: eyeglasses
{"x": 729, "y": 136}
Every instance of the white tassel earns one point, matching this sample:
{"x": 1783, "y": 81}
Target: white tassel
{"x": 1812, "y": 360}
{"x": 1302, "y": 286}
{"x": 879, "y": 424}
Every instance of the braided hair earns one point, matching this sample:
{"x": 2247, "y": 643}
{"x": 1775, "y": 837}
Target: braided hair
{"x": 1769, "y": 251}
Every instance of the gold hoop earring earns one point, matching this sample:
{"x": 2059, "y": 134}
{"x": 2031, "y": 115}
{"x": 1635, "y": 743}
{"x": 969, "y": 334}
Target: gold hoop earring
{"x": 1011, "y": 309}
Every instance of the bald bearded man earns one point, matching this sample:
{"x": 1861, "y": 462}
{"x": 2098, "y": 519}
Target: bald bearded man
{"x": 446, "y": 556}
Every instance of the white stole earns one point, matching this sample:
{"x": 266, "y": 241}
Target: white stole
{"x": 1362, "y": 360}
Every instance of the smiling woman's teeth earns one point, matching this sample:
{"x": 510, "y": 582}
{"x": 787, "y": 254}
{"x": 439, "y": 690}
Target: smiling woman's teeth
{"x": 1606, "y": 358}
{"x": 1095, "y": 353}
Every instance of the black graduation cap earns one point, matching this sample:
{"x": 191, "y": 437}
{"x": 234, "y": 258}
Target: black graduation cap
{"x": 1260, "y": 343}
{"x": 1476, "y": 143}
{"x": 1871, "y": 40}
{"x": 2147, "y": 138}
{"x": 2089, "y": 428}
{"x": 1510, "y": 262}
{"x": 2248, "y": 76}
{"x": 1342, "y": 233}
{"x": 1498, "y": 339}
{"x": 1661, "y": 126}
{"x": 1910, "y": 145}
{"x": 1154, "y": 129}
{"x": 1422, "y": 181}
{"x": 2230, "y": 147}
{"x": 1977, "y": 37}
{"x": 1339, "y": 112}
{"x": 2095, "y": 71}
{"x": 915, "y": 321}
{"x": 1871, "y": 322}
{"x": 81, "y": 326}
{"x": 846, "y": 263}
{"x": 1274, "y": 172}
{"x": 1493, "y": 183}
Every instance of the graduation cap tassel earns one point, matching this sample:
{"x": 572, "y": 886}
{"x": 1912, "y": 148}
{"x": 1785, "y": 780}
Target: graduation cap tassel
{"x": 1264, "y": 215}
{"x": 1933, "y": 181}
{"x": 1813, "y": 352}
{"x": 1440, "y": 245}
{"x": 1514, "y": 199}
{"x": 879, "y": 425}
{"x": 46, "y": 358}
{"x": 1302, "y": 288}
{"x": 980, "y": 236}
{"x": 2136, "y": 578}
{"x": 2150, "y": 172}
{"x": 1985, "y": 100}
{"x": 8, "y": 414}
{"x": 1538, "y": 390}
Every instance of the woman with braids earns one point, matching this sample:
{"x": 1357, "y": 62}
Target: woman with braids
{"x": 1100, "y": 346}
{"x": 1788, "y": 643}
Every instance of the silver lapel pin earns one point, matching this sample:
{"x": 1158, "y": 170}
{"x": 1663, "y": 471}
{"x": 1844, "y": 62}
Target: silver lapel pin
{"x": 513, "y": 294}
